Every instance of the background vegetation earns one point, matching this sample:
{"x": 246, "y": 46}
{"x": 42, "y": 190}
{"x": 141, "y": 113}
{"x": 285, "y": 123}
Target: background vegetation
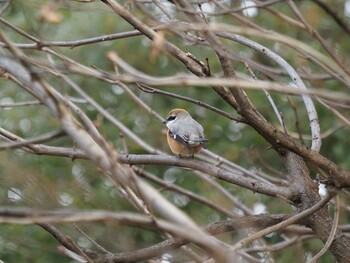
{"x": 53, "y": 186}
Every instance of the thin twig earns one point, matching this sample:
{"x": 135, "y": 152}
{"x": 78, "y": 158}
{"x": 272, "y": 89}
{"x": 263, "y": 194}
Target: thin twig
{"x": 81, "y": 252}
{"x": 297, "y": 122}
{"x": 283, "y": 224}
{"x": 331, "y": 234}
{"x": 314, "y": 33}
{"x": 38, "y": 139}
{"x": 148, "y": 89}
{"x": 334, "y": 14}
{"x": 71, "y": 44}
{"x": 173, "y": 187}
{"x": 335, "y": 112}
{"x": 272, "y": 103}
{"x": 98, "y": 246}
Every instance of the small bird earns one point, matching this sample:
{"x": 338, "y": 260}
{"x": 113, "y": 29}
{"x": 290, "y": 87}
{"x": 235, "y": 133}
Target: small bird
{"x": 185, "y": 135}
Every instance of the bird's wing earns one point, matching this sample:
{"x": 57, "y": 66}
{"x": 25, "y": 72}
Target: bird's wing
{"x": 188, "y": 135}
{"x": 185, "y": 140}
{"x": 196, "y": 135}
{"x": 181, "y": 138}
{"x": 198, "y": 140}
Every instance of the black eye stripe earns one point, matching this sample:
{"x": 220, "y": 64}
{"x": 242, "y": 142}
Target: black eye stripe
{"x": 171, "y": 118}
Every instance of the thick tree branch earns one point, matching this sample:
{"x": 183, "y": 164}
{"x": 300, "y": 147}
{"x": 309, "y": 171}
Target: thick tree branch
{"x": 43, "y": 218}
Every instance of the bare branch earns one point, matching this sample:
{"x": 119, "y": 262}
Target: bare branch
{"x": 283, "y": 224}
{"x": 331, "y": 234}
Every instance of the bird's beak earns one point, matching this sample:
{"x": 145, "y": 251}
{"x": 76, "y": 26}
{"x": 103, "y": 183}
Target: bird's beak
{"x": 165, "y": 121}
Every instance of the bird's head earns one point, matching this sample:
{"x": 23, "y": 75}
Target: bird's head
{"x": 174, "y": 115}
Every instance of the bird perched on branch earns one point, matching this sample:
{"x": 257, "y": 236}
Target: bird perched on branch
{"x": 185, "y": 135}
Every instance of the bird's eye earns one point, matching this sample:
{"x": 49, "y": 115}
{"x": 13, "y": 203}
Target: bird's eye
{"x": 171, "y": 118}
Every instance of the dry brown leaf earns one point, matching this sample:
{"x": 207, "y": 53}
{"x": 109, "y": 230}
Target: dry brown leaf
{"x": 49, "y": 14}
